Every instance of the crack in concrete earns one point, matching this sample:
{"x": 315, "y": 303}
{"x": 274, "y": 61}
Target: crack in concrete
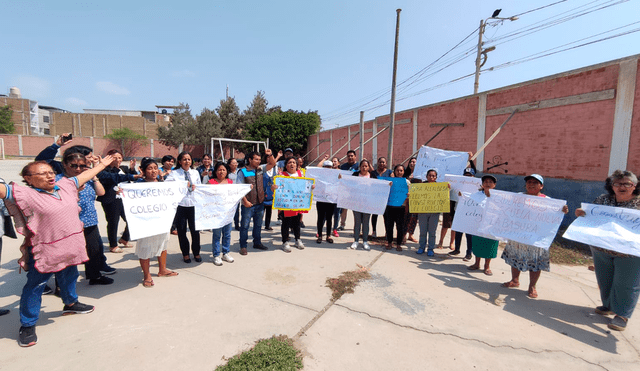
{"x": 471, "y": 339}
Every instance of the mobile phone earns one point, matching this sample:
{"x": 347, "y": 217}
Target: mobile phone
{"x": 67, "y": 138}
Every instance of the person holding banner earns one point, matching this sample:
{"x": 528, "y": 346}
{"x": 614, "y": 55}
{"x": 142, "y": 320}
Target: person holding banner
{"x": 267, "y": 181}
{"x": 325, "y": 212}
{"x": 291, "y": 219}
{"x": 361, "y": 220}
{"x": 395, "y": 214}
{"x": 470, "y": 172}
{"x": 335, "y": 164}
{"x": 153, "y": 246}
{"x": 186, "y": 209}
{"x": 618, "y": 274}
{"x": 428, "y": 223}
{"x": 350, "y": 165}
{"x": 381, "y": 170}
{"x": 522, "y": 257}
{"x": 221, "y": 176}
{"x": 410, "y": 220}
{"x": 485, "y": 247}
{"x": 51, "y": 209}
{"x": 233, "y": 176}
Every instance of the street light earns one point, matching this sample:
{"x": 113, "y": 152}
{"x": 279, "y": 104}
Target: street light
{"x": 483, "y": 52}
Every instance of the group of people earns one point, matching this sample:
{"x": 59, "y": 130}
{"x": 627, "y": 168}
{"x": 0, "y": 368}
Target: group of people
{"x": 57, "y": 240}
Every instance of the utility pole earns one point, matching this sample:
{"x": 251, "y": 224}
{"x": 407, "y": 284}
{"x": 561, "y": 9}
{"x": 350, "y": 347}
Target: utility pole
{"x": 392, "y": 114}
{"x": 361, "y": 134}
{"x": 483, "y": 52}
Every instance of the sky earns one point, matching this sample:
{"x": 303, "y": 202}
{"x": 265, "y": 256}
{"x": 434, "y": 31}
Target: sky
{"x": 334, "y": 57}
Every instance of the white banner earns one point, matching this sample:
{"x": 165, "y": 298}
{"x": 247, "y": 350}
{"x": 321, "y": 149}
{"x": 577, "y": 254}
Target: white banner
{"x": 216, "y": 204}
{"x": 461, "y": 183}
{"x": 608, "y": 227}
{"x": 444, "y": 162}
{"x": 518, "y": 217}
{"x": 326, "y": 183}
{"x": 365, "y": 195}
{"x": 151, "y": 206}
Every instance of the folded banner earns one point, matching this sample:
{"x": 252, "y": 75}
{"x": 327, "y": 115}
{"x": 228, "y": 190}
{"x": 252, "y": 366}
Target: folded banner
{"x": 429, "y": 198}
{"x": 612, "y": 228}
{"x": 151, "y": 206}
{"x": 292, "y": 193}
{"x": 399, "y": 190}
{"x": 364, "y": 195}
{"x": 518, "y": 217}
{"x": 326, "y": 183}
{"x": 444, "y": 162}
{"x": 460, "y": 183}
{"x": 216, "y": 204}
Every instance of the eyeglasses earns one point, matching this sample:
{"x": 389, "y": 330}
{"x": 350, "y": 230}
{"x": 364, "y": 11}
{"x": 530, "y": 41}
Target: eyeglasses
{"x": 46, "y": 173}
{"x": 77, "y": 166}
{"x": 625, "y": 185}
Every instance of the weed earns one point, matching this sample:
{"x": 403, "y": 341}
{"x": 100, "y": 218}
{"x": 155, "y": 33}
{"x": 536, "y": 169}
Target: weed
{"x": 347, "y": 281}
{"x": 275, "y": 353}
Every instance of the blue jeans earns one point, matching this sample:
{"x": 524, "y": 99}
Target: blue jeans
{"x": 31, "y": 298}
{"x": 428, "y": 224}
{"x": 619, "y": 281}
{"x": 225, "y": 233}
{"x": 256, "y": 213}
{"x": 336, "y": 217}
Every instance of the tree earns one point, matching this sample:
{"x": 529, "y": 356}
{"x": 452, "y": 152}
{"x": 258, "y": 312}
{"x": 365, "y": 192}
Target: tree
{"x": 285, "y": 129}
{"x": 128, "y": 140}
{"x": 231, "y": 118}
{"x": 257, "y": 108}
{"x": 6, "y": 124}
{"x": 180, "y": 129}
{"x": 208, "y": 125}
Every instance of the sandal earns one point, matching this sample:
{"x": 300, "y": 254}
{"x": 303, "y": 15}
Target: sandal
{"x": 170, "y": 274}
{"x": 319, "y": 240}
{"x": 398, "y": 248}
{"x": 488, "y": 272}
{"x": 532, "y": 293}
{"x": 124, "y": 243}
{"x": 329, "y": 239}
{"x": 410, "y": 238}
{"x": 510, "y": 285}
{"x": 147, "y": 284}
{"x": 473, "y": 268}
{"x": 116, "y": 250}
{"x": 388, "y": 246}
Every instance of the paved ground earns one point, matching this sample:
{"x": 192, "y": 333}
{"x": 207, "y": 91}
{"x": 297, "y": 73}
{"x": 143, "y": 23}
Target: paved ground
{"x": 415, "y": 313}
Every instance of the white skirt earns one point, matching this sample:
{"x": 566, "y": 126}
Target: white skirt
{"x": 150, "y": 247}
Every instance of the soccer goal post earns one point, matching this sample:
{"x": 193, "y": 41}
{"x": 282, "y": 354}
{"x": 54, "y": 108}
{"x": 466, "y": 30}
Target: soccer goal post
{"x": 256, "y": 144}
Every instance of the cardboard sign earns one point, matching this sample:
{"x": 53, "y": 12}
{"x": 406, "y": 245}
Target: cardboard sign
{"x": 612, "y": 228}
{"x": 292, "y": 193}
{"x": 151, "y": 206}
{"x": 216, "y": 204}
{"x": 429, "y": 198}
{"x": 444, "y": 162}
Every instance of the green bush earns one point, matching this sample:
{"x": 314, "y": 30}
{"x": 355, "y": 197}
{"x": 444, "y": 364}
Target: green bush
{"x": 275, "y": 353}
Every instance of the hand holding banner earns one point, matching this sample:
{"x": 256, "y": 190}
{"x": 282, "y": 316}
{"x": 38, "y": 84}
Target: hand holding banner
{"x": 429, "y": 198}
{"x": 364, "y": 195}
{"x": 217, "y": 204}
{"x": 151, "y": 206}
{"x": 292, "y": 193}
{"x": 444, "y": 162}
{"x": 612, "y": 228}
{"x": 464, "y": 184}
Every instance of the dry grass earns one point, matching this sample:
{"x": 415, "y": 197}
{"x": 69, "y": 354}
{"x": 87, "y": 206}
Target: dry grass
{"x": 347, "y": 281}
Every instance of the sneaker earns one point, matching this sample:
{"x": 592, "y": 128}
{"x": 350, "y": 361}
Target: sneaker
{"x": 420, "y": 251}
{"x": 77, "y": 308}
{"x": 217, "y": 261}
{"x": 302, "y": 225}
{"x": 260, "y": 246}
{"x": 454, "y": 253}
{"x": 299, "y": 245}
{"x": 286, "y": 247}
{"x": 604, "y": 311}
{"x": 102, "y": 280}
{"x": 365, "y": 246}
{"x": 618, "y": 323}
{"x": 268, "y": 228}
{"x": 335, "y": 233}
{"x": 27, "y": 336}
{"x": 47, "y": 290}
{"x": 107, "y": 270}
{"x": 374, "y": 234}
{"x": 430, "y": 253}
{"x": 341, "y": 228}
{"x": 354, "y": 245}
{"x": 227, "y": 258}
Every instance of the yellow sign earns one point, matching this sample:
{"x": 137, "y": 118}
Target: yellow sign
{"x": 429, "y": 198}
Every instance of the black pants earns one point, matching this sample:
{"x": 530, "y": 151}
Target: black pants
{"x": 325, "y": 213}
{"x": 292, "y": 222}
{"x": 113, "y": 211}
{"x": 394, "y": 215}
{"x": 459, "y": 241}
{"x": 374, "y": 222}
{"x": 184, "y": 215}
{"x": 95, "y": 250}
{"x": 267, "y": 215}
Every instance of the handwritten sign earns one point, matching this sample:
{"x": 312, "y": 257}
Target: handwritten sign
{"x": 612, "y": 228}
{"x": 444, "y": 162}
{"x": 364, "y": 195}
{"x": 292, "y": 193}
{"x": 518, "y": 217}
{"x": 326, "y": 183}
{"x": 151, "y": 206}
{"x": 216, "y": 204}
{"x": 429, "y": 198}
{"x": 460, "y": 183}
{"x": 399, "y": 190}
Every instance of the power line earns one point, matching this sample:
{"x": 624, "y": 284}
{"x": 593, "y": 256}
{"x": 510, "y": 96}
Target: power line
{"x": 542, "y": 7}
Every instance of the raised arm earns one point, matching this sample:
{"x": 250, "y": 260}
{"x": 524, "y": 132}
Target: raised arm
{"x": 88, "y": 174}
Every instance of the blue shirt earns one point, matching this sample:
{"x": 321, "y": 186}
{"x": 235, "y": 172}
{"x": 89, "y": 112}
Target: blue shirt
{"x": 87, "y": 198}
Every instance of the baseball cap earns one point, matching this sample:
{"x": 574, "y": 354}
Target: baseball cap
{"x": 288, "y": 150}
{"x": 489, "y": 176}
{"x": 469, "y": 171}
{"x": 537, "y": 177}
{"x": 327, "y": 163}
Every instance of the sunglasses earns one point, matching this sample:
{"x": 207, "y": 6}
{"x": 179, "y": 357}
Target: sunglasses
{"x": 78, "y": 166}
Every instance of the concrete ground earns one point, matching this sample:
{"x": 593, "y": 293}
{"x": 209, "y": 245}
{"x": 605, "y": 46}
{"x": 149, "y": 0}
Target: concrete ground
{"x": 415, "y": 312}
